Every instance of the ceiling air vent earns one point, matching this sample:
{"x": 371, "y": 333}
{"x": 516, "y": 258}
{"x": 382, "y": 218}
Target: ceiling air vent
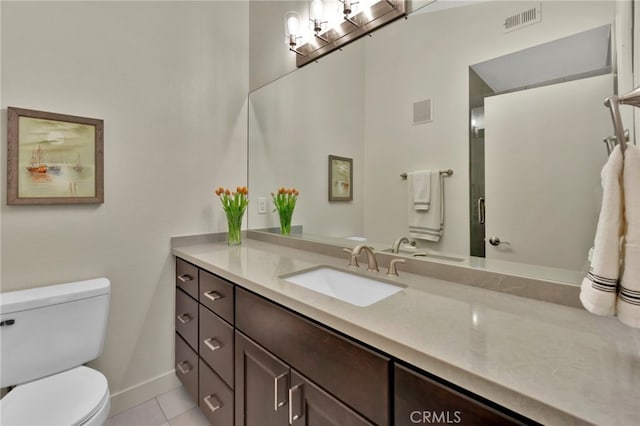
{"x": 523, "y": 19}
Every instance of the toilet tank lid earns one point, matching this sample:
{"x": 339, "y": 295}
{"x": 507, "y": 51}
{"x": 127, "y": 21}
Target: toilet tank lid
{"x": 15, "y": 301}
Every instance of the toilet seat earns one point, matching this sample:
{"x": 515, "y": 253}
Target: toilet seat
{"x": 72, "y": 398}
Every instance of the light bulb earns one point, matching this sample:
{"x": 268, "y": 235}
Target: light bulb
{"x": 292, "y": 25}
{"x": 317, "y": 10}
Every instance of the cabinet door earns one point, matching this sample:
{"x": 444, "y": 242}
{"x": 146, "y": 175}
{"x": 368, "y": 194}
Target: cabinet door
{"x": 421, "y": 400}
{"x": 311, "y": 406}
{"x": 262, "y": 384}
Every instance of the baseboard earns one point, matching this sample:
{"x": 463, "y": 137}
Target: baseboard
{"x": 142, "y": 392}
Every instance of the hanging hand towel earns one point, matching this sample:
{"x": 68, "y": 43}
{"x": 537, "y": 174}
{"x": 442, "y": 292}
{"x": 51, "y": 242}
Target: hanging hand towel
{"x": 599, "y": 287}
{"x": 628, "y": 305}
{"x": 420, "y": 189}
{"x": 429, "y": 225}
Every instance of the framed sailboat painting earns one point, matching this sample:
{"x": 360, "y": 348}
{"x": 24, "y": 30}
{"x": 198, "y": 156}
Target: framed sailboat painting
{"x": 54, "y": 158}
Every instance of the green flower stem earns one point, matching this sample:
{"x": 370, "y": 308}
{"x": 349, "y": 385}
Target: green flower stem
{"x": 234, "y": 223}
{"x": 285, "y": 204}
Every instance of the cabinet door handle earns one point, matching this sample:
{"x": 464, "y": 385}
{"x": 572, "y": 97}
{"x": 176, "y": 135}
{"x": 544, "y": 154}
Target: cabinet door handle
{"x": 481, "y": 211}
{"x": 296, "y": 390}
{"x": 213, "y": 406}
{"x": 212, "y": 343}
{"x": 184, "y": 367}
{"x": 277, "y": 385}
{"x": 213, "y": 295}
{"x": 185, "y": 278}
{"x": 184, "y": 318}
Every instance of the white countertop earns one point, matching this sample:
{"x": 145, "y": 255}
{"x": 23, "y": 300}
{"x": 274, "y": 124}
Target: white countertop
{"x": 551, "y": 363}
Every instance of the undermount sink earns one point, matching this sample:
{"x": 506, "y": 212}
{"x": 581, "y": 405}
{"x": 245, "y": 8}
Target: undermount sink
{"x": 421, "y": 254}
{"x": 356, "y": 289}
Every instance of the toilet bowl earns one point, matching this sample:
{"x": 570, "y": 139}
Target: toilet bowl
{"x": 46, "y": 335}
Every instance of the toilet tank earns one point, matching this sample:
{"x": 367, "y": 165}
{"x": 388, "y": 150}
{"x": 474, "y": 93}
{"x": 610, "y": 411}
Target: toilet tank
{"x": 50, "y": 329}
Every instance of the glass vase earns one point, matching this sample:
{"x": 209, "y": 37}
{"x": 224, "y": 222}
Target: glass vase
{"x": 285, "y": 222}
{"x": 234, "y": 223}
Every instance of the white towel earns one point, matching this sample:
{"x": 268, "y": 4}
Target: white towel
{"x": 598, "y": 289}
{"x": 429, "y": 225}
{"x": 628, "y": 305}
{"x": 420, "y": 189}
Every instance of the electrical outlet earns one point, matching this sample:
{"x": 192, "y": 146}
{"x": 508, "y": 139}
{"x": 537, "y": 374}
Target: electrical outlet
{"x": 262, "y": 205}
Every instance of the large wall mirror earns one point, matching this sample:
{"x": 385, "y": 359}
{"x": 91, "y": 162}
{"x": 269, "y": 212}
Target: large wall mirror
{"x": 533, "y": 154}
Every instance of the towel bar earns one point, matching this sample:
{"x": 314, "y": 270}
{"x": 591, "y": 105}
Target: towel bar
{"x": 447, "y": 172}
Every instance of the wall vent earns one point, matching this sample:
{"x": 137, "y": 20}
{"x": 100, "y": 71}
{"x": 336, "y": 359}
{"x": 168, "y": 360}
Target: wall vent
{"x": 423, "y": 111}
{"x": 523, "y": 19}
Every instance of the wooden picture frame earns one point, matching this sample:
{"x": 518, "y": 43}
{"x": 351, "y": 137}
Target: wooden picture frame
{"x": 54, "y": 158}
{"x": 340, "y": 178}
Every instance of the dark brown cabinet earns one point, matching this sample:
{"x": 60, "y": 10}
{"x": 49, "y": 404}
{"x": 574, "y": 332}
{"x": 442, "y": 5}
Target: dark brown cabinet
{"x": 422, "y": 400}
{"x": 251, "y": 362}
{"x": 347, "y": 370}
{"x": 204, "y": 348}
{"x": 271, "y": 393}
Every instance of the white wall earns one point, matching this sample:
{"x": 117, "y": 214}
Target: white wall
{"x": 434, "y": 51}
{"x": 170, "y": 81}
{"x": 295, "y": 123}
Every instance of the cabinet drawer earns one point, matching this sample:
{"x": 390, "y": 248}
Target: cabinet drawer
{"x": 216, "y": 344}
{"x": 187, "y": 318}
{"x": 186, "y": 365}
{"x": 352, "y": 373}
{"x": 217, "y": 295}
{"x": 216, "y": 399}
{"x": 420, "y": 399}
{"x": 187, "y": 277}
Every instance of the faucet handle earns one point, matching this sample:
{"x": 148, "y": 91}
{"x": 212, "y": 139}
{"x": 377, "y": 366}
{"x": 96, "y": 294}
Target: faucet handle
{"x": 393, "y": 269}
{"x": 353, "y": 263}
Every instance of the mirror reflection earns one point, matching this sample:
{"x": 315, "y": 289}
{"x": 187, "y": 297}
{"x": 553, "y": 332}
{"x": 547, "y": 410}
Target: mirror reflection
{"x": 450, "y": 88}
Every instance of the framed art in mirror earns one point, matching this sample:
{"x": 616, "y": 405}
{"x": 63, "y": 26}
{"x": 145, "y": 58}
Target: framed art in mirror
{"x": 340, "y": 178}
{"x": 54, "y": 158}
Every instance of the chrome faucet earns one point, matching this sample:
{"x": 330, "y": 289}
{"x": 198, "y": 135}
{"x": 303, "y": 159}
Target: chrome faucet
{"x": 372, "y": 263}
{"x": 396, "y": 244}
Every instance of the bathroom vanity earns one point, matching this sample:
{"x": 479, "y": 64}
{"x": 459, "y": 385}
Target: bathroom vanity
{"x": 255, "y": 349}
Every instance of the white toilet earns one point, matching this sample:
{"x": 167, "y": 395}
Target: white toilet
{"x": 46, "y": 335}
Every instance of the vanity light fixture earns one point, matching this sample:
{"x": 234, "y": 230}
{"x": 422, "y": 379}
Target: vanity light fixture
{"x": 374, "y": 14}
{"x": 292, "y": 28}
{"x": 316, "y": 15}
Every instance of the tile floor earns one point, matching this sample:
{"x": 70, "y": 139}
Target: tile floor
{"x": 174, "y": 408}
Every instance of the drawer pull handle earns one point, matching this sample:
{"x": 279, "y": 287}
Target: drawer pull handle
{"x": 213, "y": 295}
{"x": 184, "y": 318}
{"x": 213, "y": 344}
{"x": 184, "y": 278}
{"x": 277, "y": 402}
{"x": 216, "y": 405}
{"x": 297, "y": 389}
{"x": 184, "y": 367}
